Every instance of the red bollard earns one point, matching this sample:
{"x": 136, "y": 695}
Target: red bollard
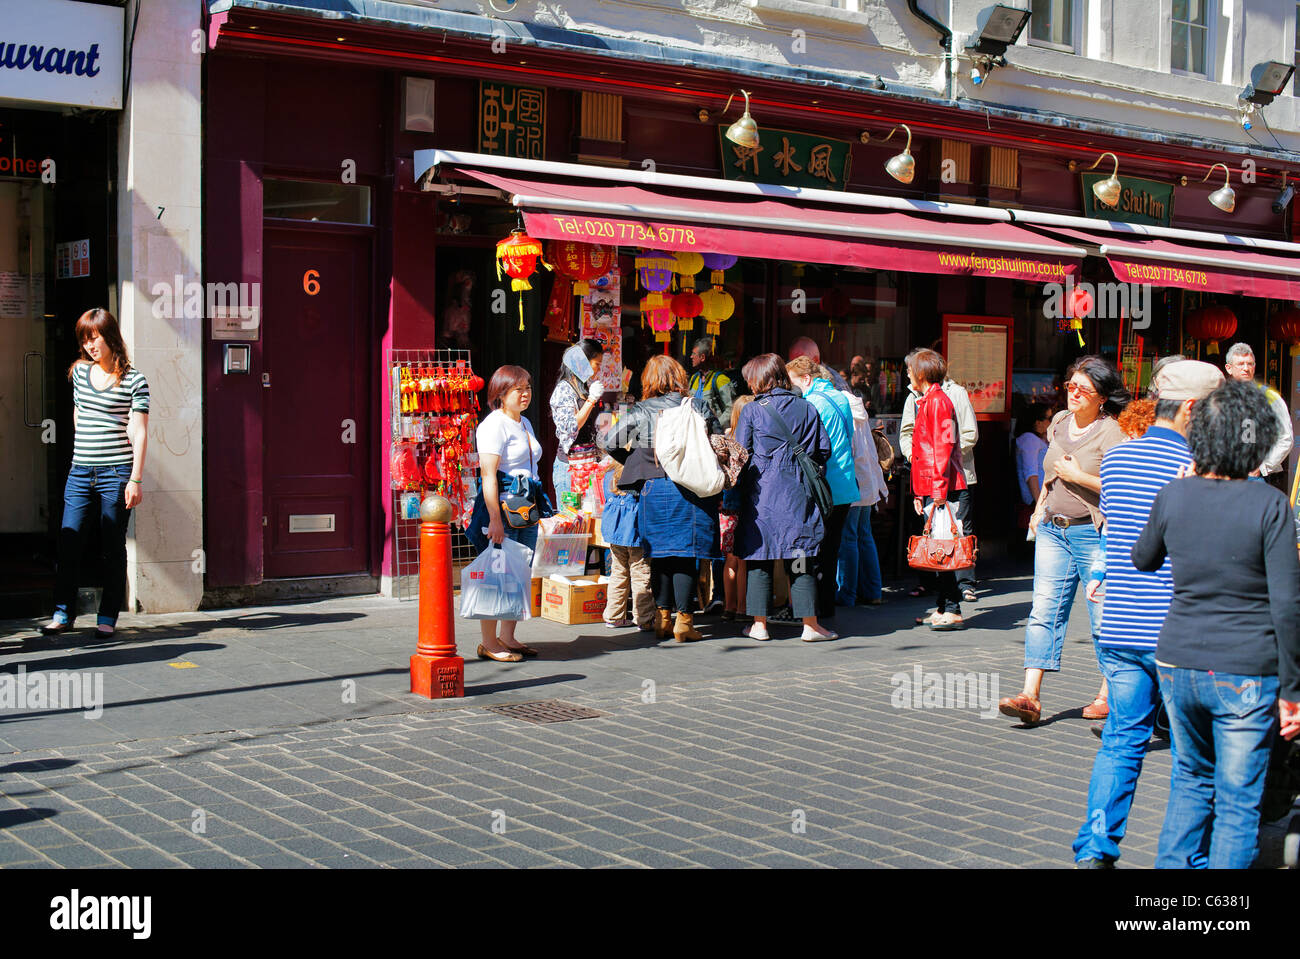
{"x": 436, "y": 671}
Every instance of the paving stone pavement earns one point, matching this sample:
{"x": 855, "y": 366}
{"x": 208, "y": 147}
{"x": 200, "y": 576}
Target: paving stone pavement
{"x": 725, "y": 753}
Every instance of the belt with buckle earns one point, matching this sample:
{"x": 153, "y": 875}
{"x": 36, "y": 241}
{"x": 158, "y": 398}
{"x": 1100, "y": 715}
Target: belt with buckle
{"x": 1064, "y": 522}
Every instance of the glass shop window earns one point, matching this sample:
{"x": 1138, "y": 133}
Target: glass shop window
{"x": 849, "y": 312}
{"x": 315, "y": 201}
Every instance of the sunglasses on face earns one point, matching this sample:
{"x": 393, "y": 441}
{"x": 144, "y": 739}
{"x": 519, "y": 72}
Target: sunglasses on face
{"x": 1079, "y": 390}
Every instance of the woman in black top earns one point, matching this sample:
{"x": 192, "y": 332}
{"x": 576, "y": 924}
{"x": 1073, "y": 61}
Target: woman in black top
{"x": 1229, "y": 645}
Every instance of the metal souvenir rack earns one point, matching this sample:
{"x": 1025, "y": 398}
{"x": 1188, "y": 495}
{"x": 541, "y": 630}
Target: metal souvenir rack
{"x": 417, "y": 426}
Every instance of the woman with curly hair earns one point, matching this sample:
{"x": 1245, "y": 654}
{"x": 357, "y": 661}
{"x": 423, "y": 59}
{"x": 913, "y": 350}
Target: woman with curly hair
{"x": 1067, "y": 524}
{"x": 1229, "y": 649}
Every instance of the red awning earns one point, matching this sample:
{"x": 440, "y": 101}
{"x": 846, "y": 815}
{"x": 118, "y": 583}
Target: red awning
{"x": 705, "y": 222}
{"x": 1227, "y": 268}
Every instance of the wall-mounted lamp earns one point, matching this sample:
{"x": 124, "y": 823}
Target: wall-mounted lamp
{"x": 901, "y": 167}
{"x": 1284, "y": 198}
{"x": 744, "y": 132}
{"x": 1267, "y": 80}
{"x": 864, "y": 137}
{"x": 1225, "y": 198}
{"x": 703, "y": 115}
{"x": 1106, "y": 191}
{"x": 1000, "y": 30}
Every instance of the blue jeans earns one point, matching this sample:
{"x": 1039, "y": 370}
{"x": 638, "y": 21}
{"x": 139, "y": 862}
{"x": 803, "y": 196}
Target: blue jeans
{"x": 560, "y": 479}
{"x": 1134, "y": 698}
{"x": 859, "y": 566}
{"x": 85, "y": 485}
{"x": 1221, "y": 726}
{"x": 1062, "y": 558}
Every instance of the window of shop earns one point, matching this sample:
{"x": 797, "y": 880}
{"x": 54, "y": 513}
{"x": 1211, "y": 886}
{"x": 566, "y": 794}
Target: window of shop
{"x": 315, "y": 201}
{"x": 848, "y": 312}
{"x": 1052, "y": 24}
{"x": 1189, "y": 37}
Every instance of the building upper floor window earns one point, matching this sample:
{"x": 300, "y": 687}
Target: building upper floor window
{"x": 1190, "y": 36}
{"x": 1052, "y": 23}
{"x": 1295, "y": 77}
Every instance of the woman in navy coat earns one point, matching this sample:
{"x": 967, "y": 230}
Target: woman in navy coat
{"x": 778, "y": 519}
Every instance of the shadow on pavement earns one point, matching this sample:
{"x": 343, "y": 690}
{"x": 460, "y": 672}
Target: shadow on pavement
{"x": 259, "y": 621}
{"x": 16, "y": 817}
{"x": 121, "y": 655}
{"x": 486, "y": 689}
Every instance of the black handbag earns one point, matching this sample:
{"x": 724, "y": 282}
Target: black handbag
{"x": 812, "y": 476}
{"x": 519, "y": 505}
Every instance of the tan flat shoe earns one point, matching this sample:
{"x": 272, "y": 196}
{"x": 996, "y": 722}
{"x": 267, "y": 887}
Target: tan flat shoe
{"x": 499, "y": 657}
{"x": 1021, "y": 706}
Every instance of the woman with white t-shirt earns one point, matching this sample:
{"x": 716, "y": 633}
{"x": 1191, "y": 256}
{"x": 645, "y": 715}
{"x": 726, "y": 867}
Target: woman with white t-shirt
{"x": 506, "y": 445}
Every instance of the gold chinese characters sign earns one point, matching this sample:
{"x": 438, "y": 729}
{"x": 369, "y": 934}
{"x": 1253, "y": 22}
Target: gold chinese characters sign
{"x": 511, "y": 120}
{"x": 789, "y": 158}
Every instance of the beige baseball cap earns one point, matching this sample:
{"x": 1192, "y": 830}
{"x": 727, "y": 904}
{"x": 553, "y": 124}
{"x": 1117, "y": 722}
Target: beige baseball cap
{"x": 1188, "y": 380}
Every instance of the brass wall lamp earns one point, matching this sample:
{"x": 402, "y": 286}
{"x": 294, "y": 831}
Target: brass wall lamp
{"x": 1106, "y": 191}
{"x": 902, "y": 166}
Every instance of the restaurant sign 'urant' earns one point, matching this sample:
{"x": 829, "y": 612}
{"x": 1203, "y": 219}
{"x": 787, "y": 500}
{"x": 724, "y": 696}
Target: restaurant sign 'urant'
{"x": 62, "y": 53}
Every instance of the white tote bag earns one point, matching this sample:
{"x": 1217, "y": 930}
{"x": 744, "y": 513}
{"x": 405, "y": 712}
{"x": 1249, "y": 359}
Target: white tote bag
{"x": 682, "y": 447}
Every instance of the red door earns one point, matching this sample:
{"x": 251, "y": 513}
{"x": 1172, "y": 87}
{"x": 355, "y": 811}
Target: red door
{"x": 317, "y": 387}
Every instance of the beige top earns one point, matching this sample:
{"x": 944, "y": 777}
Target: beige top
{"x": 1071, "y": 499}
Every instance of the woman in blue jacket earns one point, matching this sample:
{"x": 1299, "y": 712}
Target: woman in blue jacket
{"x": 778, "y": 520}
{"x": 832, "y": 407}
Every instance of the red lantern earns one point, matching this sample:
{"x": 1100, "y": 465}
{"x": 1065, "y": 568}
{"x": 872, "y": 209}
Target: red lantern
{"x": 518, "y": 254}
{"x": 582, "y": 262}
{"x": 1285, "y": 326}
{"x": 1211, "y": 323}
{"x": 686, "y": 307}
{"x": 1080, "y": 304}
{"x": 660, "y": 319}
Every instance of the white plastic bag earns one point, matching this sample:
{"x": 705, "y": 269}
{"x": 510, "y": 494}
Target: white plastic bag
{"x": 497, "y": 585}
{"x": 681, "y": 443}
{"x": 946, "y": 525}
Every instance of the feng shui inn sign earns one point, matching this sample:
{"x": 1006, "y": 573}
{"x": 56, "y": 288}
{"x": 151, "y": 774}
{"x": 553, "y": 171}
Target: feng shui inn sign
{"x": 512, "y": 120}
{"x": 789, "y": 158}
{"x": 1140, "y": 201}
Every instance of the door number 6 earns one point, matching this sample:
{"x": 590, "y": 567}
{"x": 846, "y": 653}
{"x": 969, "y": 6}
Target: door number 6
{"x": 311, "y": 282}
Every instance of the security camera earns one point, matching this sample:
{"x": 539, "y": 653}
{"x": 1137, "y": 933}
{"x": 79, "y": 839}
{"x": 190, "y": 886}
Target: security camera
{"x": 1283, "y": 199}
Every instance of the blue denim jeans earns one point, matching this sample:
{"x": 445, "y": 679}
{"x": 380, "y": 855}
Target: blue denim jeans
{"x": 100, "y": 489}
{"x": 859, "y": 567}
{"x": 1134, "y": 698}
{"x": 1062, "y": 559}
{"x": 1221, "y": 726}
{"x": 560, "y": 478}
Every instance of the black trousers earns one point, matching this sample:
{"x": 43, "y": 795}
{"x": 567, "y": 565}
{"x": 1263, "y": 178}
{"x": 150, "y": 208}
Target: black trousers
{"x": 673, "y": 580}
{"x": 802, "y": 574}
{"x": 947, "y": 586}
{"x": 963, "y": 508}
{"x": 828, "y": 558}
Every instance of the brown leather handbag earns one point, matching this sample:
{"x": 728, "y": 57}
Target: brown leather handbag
{"x": 941, "y": 555}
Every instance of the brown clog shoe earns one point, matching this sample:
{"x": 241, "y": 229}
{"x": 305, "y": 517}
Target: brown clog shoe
{"x": 1097, "y": 709}
{"x": 1021, "y": 706}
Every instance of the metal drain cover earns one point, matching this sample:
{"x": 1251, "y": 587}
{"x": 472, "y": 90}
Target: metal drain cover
{"x": 545, "y": 711}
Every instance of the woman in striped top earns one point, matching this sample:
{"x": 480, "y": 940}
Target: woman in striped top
{"x": 111, "y": 417}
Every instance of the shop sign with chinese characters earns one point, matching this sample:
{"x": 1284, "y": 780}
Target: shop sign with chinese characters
{"x": 512, "y": 120}
{"x": 788, "y": 158}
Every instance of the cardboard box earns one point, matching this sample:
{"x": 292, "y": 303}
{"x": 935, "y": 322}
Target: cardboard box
{"x": 537, "y": 595}
{"x": 596, "y": 538}
{"x": 577, "y": 602}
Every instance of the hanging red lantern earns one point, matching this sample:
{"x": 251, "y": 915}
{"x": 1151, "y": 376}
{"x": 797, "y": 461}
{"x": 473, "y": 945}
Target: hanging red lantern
{"x": 1212, "y": 323}
{"x": 686, "y": 307}
{"x": 582, "y": 262}
{"x": 1285, "y": 326}
{"x": 1080, "y": 305}
{"x": 518, "y": 254}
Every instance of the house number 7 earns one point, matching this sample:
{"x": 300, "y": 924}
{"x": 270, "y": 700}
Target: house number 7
{"x": 311, "y": 282}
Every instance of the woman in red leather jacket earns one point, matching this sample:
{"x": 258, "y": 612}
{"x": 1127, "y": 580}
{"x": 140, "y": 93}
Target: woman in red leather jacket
{"x": 936, "y": 463}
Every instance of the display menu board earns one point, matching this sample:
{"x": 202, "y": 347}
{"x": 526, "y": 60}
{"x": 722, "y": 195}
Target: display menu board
{"x": 600, "y": 321}
{"x": 978, "y": 351}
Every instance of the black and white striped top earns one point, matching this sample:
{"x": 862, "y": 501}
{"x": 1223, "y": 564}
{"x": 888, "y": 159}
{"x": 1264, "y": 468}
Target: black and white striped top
{"x": 102, "y": 416}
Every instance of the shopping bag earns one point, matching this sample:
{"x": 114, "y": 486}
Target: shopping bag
{"x": 681, "y": 445}
{"x": 497, "y": 585}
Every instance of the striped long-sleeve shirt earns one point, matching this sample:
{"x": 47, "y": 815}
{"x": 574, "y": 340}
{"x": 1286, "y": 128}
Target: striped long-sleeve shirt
{"x": 102, "y": 416}
{"x": 1135, "y": 603}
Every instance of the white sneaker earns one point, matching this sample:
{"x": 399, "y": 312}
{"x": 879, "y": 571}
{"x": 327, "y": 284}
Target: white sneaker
{"x": 618, "y": 623}
{"x": 811, "y": 635}
{"x": 755, "y": 631}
